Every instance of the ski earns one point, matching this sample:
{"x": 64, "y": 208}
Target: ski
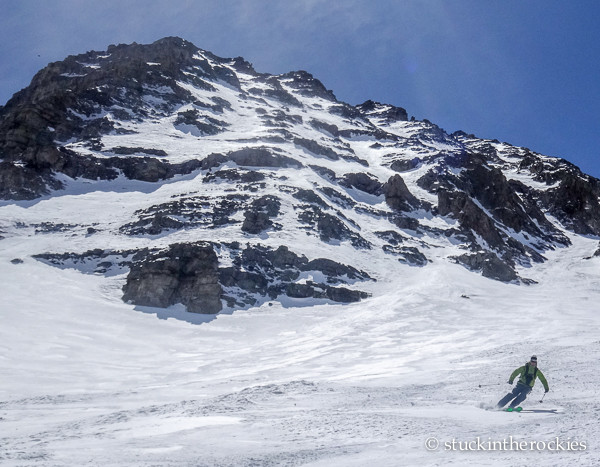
{"x": 513, "y": 409}
{"x": 522, "y": 410}
{"x": 541, "y": 411}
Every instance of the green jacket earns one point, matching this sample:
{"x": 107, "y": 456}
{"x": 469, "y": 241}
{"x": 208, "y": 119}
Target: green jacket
{"x": 528, "y": 375}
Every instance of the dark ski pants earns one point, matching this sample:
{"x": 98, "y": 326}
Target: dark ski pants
{"x": 519, "y": 393}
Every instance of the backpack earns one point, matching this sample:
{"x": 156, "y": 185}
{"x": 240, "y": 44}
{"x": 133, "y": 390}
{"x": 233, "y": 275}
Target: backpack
{"x": 529, "y": 377}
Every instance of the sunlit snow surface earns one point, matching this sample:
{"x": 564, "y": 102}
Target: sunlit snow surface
{"x": 89, "y": 380}
{"x": 86, "y": 379}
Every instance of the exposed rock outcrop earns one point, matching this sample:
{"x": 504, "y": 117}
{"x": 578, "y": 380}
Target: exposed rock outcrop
{"x": 184, "y": 273}
{"x": 489, "y": 265}
{"x": 262, "y": 153}
{"x": 261, "y": 157}
{"x": 385, "y": 111}
{"x": 397, "y": 195}
{"x": 470, "y": 215}
{"x": 258, "y": 217}
{"x": 575, "y": 202}
{"x": 260, "y": 272}
{"x": 330, "y": 227}
{"x": 363, "y": 182}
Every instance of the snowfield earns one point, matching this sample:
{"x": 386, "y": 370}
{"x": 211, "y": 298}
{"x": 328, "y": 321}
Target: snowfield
{"x": 90, "y": 380}
{"x": 407, "y": 377}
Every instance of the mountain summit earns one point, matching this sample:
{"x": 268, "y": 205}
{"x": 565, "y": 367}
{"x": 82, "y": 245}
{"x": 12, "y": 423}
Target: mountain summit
{"x": 200, "y": 181}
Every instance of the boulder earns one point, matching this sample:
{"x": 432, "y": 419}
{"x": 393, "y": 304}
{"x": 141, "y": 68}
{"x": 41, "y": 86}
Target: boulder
{"x": 345, "y": 295}
{"x": 183, "y": 273}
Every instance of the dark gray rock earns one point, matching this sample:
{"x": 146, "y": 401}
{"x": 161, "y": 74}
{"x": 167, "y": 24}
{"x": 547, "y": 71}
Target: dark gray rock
{"x": 492, "y": 190}
{"x": 407, "y": 255}
{"x": 404, "y": 165}
{"x": 330, "y": 227}
{"x": 309, "y": 196}
{"x": 186, "y": 212}
{"x": 261, "y": 272}
{"x": 333, "y": 130}
{"x": 336, "y": 294}
{"x": 315, "y": 148}
{"x": 258, "y": 218}
{"x": 205, "y": 125}
{"x": 346, "y": 111}
{"x": 324, "y": 172}
{"x": 397, "y": 195}
{"x": 334, "y": 270}
{"x": 469, "y": 215}
{"x": 391, "y": 236}
{"x": 256, "y": 222}
{"x": 125, "y": 151}
{"x": 300, "y": 291}
{"x": 385, "y": 111}
{"x": 96, "y": 261}
{"x": 345, "y": 295}
{"x": 184, "y": 273}
{"x": 234, "y": 175}
{"x": 213, "y": 160}
{"x": 249, "y": 281}
{"x": 19, "y": 183}
{"x": 307, "y": 85}
{"x": 489, "y": 265}
{"x": 363, "y": 182}
{"x": 575, "y": 202}
{"x": 274, "y": 90}
{"x": 337, "y": 197}
{"x": 261, "y": 157}
{"x": 265, "y": 259}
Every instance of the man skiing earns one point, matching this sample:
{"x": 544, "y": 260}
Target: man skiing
{"x": 529, "y": 372}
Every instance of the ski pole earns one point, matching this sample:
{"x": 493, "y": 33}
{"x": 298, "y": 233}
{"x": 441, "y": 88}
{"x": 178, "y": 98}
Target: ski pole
{"x": 542, "y": 399}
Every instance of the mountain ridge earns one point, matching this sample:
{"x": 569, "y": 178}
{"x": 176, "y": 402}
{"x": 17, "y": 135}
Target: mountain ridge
{"x": 272, "y": 161}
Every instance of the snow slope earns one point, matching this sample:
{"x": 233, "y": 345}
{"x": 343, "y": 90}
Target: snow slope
{"x": 89, "y": 380}
{"x": 86, "y": 379}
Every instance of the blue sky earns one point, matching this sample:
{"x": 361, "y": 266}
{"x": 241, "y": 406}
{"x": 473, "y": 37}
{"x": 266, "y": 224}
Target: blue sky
{"x": 525, "y": 72}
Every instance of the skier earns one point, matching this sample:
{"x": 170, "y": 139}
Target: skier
{"x": 529, "y": 372}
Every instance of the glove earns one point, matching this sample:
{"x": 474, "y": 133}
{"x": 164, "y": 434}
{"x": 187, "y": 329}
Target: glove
{"x": 509, "y": 382}
{"x": 546, "y": 390}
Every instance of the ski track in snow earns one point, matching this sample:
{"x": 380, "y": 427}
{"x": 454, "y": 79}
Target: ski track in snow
{"x": 86, "y": 379}
{"x": 89, "y": 380}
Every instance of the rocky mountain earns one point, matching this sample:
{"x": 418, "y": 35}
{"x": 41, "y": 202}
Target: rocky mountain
{"x": 209, "y": 184}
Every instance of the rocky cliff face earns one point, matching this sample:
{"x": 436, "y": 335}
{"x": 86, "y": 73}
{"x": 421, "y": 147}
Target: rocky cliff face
{"x": 186, "y": 273}
{"x": 293, "y": 192}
